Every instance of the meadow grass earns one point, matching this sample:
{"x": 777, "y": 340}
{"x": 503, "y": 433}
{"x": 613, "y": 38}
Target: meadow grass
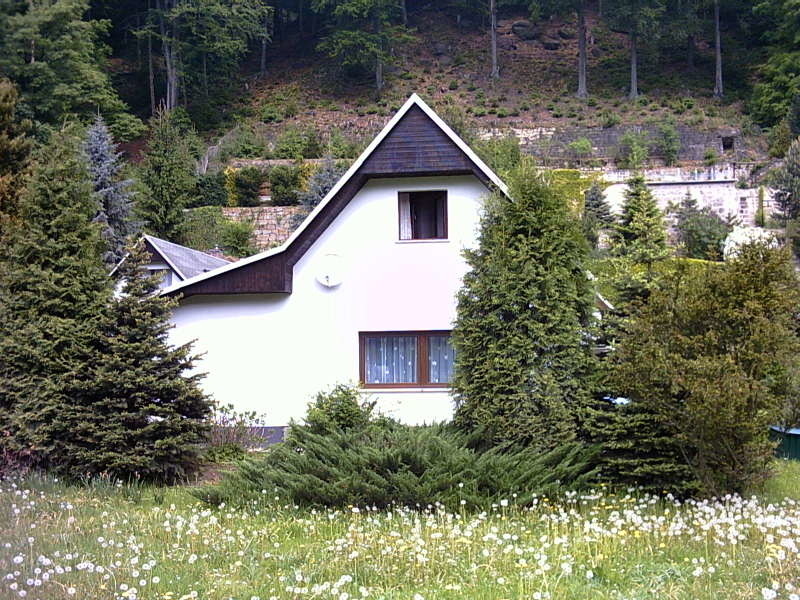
{"x": 116, "y": 541}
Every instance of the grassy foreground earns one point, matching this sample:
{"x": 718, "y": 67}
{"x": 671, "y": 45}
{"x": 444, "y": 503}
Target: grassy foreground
{"x": 106, "y": 541}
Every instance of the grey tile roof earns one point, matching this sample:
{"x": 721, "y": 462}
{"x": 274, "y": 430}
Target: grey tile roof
{"x": 186, "y": 261}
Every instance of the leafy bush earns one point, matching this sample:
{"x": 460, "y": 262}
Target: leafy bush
{"x": 342, "y": 146}
{"x": 297, "y": 144}
{"x": 339, "y": 409}
{"x": 502, "y": 154}
{"x": 610, "y": 119}
{"x": 285, "y": 182}
{"x": 710, "y": 157}
{"x": 210, "y": 190}
{"x": 713, "y": 357}
{"x": 780, "y": 138}
{"x": 669, "y": 142}
{"x": 206, "y": 228}
{"x": 247, "y": 184}
{"x": 580, "y": 148}
{"x": 231, "y": 434}
{"x": 632, "y": 151}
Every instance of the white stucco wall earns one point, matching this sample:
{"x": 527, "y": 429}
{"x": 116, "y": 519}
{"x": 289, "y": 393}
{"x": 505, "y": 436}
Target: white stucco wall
{"x": 272, "y": 353}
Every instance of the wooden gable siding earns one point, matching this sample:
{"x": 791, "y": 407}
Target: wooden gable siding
{"x": 416, "y": 147}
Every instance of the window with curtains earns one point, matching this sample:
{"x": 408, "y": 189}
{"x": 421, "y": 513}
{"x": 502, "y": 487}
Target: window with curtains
{"x": 406, "y": 359}
{"x": 423, "y": 215}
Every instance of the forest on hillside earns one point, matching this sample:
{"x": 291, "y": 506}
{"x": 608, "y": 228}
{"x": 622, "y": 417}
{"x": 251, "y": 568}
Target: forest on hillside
{"x": 125, "y": 58}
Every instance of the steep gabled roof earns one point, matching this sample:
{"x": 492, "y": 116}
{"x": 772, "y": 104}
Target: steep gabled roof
{"x": 414, "y": 143}
{"x": 185, "y": 262}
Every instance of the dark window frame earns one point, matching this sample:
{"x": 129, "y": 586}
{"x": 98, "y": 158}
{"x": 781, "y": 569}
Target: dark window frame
{"x": 445, "y": 228}
{"x": 423, "y": 367}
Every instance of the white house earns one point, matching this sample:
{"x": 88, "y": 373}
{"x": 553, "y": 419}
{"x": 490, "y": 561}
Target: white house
{"x": 364, "y": 291}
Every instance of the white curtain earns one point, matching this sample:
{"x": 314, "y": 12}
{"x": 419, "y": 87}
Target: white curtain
{"x": 405, "y": 215}
{"x": 391, "y": 359}
{"x": 441, "y": 358}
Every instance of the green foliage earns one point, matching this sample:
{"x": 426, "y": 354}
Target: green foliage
{"x": 53, "y": 286}
{"x": 168, "y": 171}
{"x": 364, "y": 37}
{"x": 15, "y": 149}
{"x": 580, "y": 148}
{"x": 596, "y": 215}
{"x": 231, "y": 434}
{"x": 339, "y": 409}
{"x": 139, "y": 414}
{"x": 669, "y": 142}
{"x": 319, "y": 184}
{"x": 210, "y": 190}
{"x": 522, "y": 363}
{"x": 388, "y": 464}
{"x": 714, "y": 358}
{"x": 641, "y": 235}
{"x": 296, "y": 143}
{"x": 59, "y": 62}
{"x": 710, "y": 157}
{"x": 760, "y": 216}
{"x": 114, "y": 198}
{"x": 780, "y": 138}
{"x": 502, "y": 154}
{"x": 786, "y": 181}
{"x": 207, "y": 228}
{"x": 284, "y": 183}
{"x": 247, "y": 183}
{"x": 633, "y": 151}
{"x": 701, "y": 232}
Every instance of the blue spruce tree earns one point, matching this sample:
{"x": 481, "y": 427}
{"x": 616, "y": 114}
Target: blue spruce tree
{"x": 114, "y": 197}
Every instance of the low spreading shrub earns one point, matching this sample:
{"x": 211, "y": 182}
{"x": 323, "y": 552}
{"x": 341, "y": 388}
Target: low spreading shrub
{"x": 285, "y": 182}
{"x": 346, "y": 457}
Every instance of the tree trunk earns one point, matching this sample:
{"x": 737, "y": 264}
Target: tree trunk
{"x": 718, "y": 89}
{"x": 300, "y": 16}
{"x": 634, "y": 93}
{"x": 262, "y": 70}
{"x": 690, "y": 50}
{"x": 404, "y": 12}
{"x": 583, "y": 91}
{"x": 378, "y": 58}
{"x": 205, "y": 75}
{"x": 495, "y": 74}
{"x": 600, "y": 8}
{"x": 150, "y": 74}
{"x": 168, "y": 42}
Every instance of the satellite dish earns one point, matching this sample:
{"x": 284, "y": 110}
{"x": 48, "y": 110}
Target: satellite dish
{"x": 329, "y": 272}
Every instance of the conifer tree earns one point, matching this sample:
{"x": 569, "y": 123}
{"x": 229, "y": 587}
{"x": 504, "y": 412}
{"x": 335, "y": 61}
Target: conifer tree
{"x": 522, "y": 360}
{"x": 640, "y": 243}
{"x": 52, "y": 287}
{"x": 596, "y": 215}
{"x": 15, "y": 149}
{"x": 641, "y": 235}
{"x": 138, "y": 413}
{"x": 168, "y": 171}
{"x": 115, "y": 200}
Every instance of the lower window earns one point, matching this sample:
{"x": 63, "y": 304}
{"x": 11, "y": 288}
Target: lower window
{"x": 406, "y": 359}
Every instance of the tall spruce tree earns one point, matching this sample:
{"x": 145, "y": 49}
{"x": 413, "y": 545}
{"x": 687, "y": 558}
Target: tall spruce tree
{"x": 115, "y": 199}
{"x": 596, "y": 215}
{"x": 138, "y": 412}
{"x": 52, "y": 287}
{"x": 522, "y": 357}
{"x": 641, "y": 235}
{"x": 15, "y": 149}
{"x": 168, "y": 171}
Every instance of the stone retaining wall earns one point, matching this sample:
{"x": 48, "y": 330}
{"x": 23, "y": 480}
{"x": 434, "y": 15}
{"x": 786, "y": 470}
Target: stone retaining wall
{"x": 272, "y": 224}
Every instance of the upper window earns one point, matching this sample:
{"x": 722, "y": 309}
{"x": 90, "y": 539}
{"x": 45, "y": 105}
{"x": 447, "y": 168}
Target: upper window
{"x": 410, "y": 359}
{"x": 423, "y": 215}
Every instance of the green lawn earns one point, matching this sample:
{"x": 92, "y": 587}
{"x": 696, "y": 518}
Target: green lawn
{"x": 104, "y": 541}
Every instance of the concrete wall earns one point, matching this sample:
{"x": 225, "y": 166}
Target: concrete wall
{"x": 272, "y": 353}
{"x": 712, "y": 187}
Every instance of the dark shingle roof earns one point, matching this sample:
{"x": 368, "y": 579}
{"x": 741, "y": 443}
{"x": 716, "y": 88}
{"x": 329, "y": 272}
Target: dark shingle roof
{"x": 186, "y": 261}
